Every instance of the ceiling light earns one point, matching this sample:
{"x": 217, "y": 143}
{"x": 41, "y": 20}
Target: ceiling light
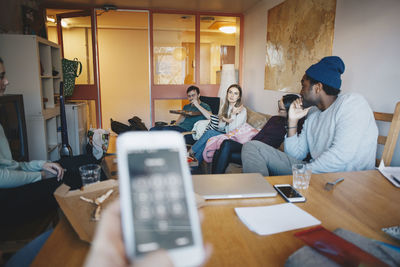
{"x": 51, "y": 19}
{"x": 228, "y": 29}
{"x": 64, "y": 24}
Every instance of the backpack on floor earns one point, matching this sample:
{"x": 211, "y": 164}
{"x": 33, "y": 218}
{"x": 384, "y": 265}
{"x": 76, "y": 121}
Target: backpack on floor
{"x": 137, "y": 124}
{"x": 119, "y": 127}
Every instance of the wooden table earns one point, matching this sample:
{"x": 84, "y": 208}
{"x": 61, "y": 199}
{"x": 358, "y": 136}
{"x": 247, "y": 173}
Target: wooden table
{"x": 363, "y": 203}
{"x": 186, "y": 113}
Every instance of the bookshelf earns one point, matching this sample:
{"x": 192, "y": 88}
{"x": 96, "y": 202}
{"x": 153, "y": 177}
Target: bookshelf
{"x": 33, "y": 67}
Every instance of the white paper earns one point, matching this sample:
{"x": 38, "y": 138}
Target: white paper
{"x": 267, "y": 220}
{"x": 390, "y": 172}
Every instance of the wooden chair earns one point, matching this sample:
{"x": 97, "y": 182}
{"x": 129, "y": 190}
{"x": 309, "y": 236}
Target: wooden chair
{"x": 389, "y": 141}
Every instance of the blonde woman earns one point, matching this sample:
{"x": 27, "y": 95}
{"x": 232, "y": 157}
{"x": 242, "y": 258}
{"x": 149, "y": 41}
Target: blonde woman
{"x": 231, "y": 116}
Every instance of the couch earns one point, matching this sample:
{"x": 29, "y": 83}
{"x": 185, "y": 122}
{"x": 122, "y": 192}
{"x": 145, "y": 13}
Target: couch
{"x": 255, "y": 119}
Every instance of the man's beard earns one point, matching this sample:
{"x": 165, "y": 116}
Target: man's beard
{"x": 307, "y": 104}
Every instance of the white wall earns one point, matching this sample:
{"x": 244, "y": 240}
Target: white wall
{"x": 367, "y": 38}
{"x": 255, "y": 30}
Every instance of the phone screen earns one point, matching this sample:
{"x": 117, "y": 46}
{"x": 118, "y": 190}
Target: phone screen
{"x": 289, "y": 192}
{"x": 160, "y": 211}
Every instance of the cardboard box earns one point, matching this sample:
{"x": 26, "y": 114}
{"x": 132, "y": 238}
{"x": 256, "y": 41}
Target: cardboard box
{"x": 80, "y": 213}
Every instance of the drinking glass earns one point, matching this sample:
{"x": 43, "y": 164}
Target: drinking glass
{"x": 301, "y": 175}
{"x": 90, "y": 173}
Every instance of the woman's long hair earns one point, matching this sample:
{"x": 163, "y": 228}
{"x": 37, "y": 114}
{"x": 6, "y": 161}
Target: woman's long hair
{"x": 225, "y": 107}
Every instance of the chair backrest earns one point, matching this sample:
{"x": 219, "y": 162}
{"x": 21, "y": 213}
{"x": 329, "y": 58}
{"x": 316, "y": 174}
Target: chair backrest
{"x": 213, "y": 102}
{"x": 389, "y": 141}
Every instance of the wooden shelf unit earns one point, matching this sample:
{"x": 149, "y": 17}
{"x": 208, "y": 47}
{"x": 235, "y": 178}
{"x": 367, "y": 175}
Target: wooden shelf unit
{"x": 33, "y": 67}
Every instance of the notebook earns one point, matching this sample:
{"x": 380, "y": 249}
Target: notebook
{"x": 235, "y": 185}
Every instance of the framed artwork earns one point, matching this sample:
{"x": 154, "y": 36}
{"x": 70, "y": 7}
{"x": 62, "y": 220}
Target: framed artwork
{"x": 33, "y": 22}
{"x": 299, "y": 34}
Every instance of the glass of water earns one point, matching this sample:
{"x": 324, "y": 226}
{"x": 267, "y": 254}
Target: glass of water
{"x": 301, "y": 175}
{"x": 90, "y": 173}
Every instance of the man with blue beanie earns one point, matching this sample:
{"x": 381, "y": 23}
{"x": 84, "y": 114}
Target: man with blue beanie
{"x": 340, "y": 133}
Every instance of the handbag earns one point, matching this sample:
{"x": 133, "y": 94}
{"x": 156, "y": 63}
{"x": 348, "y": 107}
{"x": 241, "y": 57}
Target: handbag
{"x": 70, "y": 72}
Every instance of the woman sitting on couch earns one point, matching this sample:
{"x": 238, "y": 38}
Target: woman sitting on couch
{"x": 273, "y": 134}
{"x": 232, "y": 116}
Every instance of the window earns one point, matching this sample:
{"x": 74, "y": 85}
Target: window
{"x": 174, "y": 48}
{"x": 219, "y": 44}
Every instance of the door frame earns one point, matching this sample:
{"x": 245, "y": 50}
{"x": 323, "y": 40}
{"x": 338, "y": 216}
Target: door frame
{"x": 85, "y": 91}
{"x": 178, "y": 91}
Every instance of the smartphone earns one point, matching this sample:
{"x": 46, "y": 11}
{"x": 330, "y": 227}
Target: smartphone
{"x": 288, "y": 192}
{"x": 158, "y": 209}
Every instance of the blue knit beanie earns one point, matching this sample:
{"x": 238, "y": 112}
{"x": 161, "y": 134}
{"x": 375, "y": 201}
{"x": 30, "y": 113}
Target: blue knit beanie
{"x": 327, "y": 71}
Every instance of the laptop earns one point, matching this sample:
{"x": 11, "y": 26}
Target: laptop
{"x": 235, "y": 185}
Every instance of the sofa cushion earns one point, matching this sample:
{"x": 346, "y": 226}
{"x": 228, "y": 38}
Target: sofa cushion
{"x": 256, "y": 119}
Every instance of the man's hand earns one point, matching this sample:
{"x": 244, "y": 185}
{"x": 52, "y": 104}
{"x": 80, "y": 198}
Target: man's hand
{"x": 55, "y": 169}
{"x": 296, "y": 112}
{"x": 195, "y": 102}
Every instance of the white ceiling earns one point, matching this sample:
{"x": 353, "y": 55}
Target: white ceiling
{"x": 223, "y": 6}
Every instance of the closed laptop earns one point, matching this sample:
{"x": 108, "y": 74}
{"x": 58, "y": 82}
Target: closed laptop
{"x": 236, "y": 185}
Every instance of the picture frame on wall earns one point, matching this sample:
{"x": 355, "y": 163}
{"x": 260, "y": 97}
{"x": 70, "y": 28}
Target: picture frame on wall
{"x": 33, "y": 22}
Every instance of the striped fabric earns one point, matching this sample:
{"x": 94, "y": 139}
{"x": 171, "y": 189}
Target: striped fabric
{"x": 213, "y": 125}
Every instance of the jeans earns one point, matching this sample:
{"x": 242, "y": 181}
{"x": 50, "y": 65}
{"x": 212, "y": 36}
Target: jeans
{"x": 188, "y": 137}
{"x": 26, "y": 255}
{"x": 267, "y": 160}
{"x": 229, "y": 151}
{"x": 199, "y": 146}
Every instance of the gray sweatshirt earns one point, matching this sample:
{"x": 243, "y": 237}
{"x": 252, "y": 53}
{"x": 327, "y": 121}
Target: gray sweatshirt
{"x": 341, "y": 138}
{"x": 13, "y": 173}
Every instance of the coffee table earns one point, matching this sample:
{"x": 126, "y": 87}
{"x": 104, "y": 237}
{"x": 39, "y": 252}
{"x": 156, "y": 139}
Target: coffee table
{"x": 363, "y": 203}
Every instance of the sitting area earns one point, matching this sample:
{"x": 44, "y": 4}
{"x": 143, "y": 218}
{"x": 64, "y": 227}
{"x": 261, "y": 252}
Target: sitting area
{"x": 254, "y": 119}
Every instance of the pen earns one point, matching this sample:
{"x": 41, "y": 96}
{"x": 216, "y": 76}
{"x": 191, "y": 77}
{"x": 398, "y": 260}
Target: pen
{"x": 397, "y": 180}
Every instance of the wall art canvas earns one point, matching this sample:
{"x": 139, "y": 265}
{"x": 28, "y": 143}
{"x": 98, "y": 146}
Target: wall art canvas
{"x": 299, "y": 33}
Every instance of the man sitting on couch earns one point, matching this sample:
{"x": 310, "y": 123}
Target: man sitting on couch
{"x": 340, "y": 133}
{"x": 185, "y": 123}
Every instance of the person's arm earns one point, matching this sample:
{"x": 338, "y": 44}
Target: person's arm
{"x": 108, "y": 247}
{"x": 239, "y": 117}
{"x": 355, "y": 133}
{"x": 180, "y": 119}
{"x": 10, "y": 178}
{"x": 32, "y": 166}
{"x": 206, "y": 113}
{"x": 13, "y": 173}
{"x": 296, "y": 145}
{"x": 296, "y": 112}
{"x": 14, "y": 178}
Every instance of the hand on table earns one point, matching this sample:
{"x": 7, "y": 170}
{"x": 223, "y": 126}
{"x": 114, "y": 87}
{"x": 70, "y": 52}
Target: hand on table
{"x": 108, "y": 247}
{"x": 53, "y": 168}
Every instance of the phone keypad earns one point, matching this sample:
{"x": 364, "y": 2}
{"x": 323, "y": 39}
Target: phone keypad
{"x": 159, "y": 197}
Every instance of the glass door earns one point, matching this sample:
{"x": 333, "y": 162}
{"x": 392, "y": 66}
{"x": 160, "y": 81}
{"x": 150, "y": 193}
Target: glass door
{"x": 76, "y": 33}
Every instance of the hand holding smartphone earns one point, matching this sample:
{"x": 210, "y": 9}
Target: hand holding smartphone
{"x": 289, "y": 193}
{"x": 157, "y": 200}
